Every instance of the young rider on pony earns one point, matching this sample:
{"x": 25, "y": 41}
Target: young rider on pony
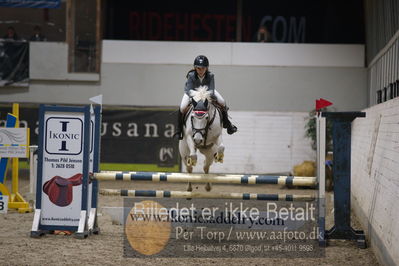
{"x": 201, "y": 76}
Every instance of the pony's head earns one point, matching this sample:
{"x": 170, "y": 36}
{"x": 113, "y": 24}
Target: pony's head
{"x": 201, "y": 98}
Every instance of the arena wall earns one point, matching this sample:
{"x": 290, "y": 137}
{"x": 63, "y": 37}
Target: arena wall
{"x": 375, "y": 178}
{"x": 251, "y": 76}
{"x": 267, "y": 143}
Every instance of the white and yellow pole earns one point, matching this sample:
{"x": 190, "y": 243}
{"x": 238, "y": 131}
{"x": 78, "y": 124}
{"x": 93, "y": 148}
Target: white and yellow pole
{"x": 15, "y": 161}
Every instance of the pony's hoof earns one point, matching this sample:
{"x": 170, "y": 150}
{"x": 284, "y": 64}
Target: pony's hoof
{"x": 208, "y": 187}
{"x": 192, "y": 160}
{"x": 219, "y": 157}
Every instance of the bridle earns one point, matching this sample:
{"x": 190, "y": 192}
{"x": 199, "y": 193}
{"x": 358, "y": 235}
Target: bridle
{"x": 203, "y": 131}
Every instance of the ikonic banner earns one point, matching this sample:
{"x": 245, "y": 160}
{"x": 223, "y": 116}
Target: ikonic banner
{"x": 63, "y": 174}
{"x": 128, "y": 135}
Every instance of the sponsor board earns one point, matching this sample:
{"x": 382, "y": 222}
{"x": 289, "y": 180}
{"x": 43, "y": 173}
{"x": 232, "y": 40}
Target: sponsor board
{"x": 129, "y": 135}
{"x": 14, "y": 142}
{"x": 62, "y": 176}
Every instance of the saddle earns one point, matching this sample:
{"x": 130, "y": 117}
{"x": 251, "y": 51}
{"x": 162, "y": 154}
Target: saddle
{"x": 59, "y": 189}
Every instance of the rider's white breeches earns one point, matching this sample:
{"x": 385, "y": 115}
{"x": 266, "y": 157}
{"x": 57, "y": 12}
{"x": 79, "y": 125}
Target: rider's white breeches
{"x": 219, "y": 98}
{"x": 185, "y": 101}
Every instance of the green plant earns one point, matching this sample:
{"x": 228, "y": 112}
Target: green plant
{"x": 310, "y": 129}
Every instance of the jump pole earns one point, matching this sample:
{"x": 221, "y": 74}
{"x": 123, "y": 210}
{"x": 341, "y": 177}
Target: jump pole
{"x": 205, "y": 178}
{"x": 321, "y": 174}
{"x": 204, "y": 195}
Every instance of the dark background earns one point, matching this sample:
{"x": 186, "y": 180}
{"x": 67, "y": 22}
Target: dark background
{"x": 325, "y": 21}
{"x": 119, "y": 149}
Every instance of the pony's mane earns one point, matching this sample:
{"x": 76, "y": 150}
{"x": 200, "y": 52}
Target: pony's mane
{"x": 201, "y": 93}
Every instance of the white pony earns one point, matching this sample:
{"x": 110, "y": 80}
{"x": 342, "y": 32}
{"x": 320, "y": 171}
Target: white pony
{"x": 202, "y": 131}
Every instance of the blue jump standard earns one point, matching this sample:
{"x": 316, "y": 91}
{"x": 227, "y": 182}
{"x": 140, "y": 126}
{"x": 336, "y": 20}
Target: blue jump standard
{"x": 341, "y": 133}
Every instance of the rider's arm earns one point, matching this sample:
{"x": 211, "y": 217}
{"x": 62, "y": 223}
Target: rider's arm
{"x": 189, "y": 84}
{"x": 211, "y": 82}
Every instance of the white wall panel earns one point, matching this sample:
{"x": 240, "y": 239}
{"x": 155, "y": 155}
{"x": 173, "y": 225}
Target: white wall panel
{"x": 375, "y": 177}
{"x": 289, "y": 54}
{"x": 225, "y": 53}
{"x": 251, "y": 76}
{"x": 267, "y": 142}
{"x": 49, "y": 61}
{"x": 165, "y": 52}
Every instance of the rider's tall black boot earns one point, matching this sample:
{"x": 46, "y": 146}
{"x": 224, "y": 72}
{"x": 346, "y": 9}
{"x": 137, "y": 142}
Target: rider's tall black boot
{"x": 231, "y": 129}
{"x": 179, "y": 130}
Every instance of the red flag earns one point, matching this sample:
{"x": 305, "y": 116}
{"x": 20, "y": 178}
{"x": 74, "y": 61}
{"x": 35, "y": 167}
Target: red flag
{"x": 321, "y": 103}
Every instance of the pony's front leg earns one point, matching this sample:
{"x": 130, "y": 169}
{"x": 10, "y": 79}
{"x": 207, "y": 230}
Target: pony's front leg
{"x": 189, "y": 170}
{"x": 192, "y": 157}
{"x": 219, "y": 155}
{"x": 209, "y": 157}
{"x": 207, "y": 164}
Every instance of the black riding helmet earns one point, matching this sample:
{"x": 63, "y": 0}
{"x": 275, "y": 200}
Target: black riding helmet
{"x": 201, "y": 61}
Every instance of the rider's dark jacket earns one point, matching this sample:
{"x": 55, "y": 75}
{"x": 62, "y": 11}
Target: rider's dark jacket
{"x": 193, "y": 81}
